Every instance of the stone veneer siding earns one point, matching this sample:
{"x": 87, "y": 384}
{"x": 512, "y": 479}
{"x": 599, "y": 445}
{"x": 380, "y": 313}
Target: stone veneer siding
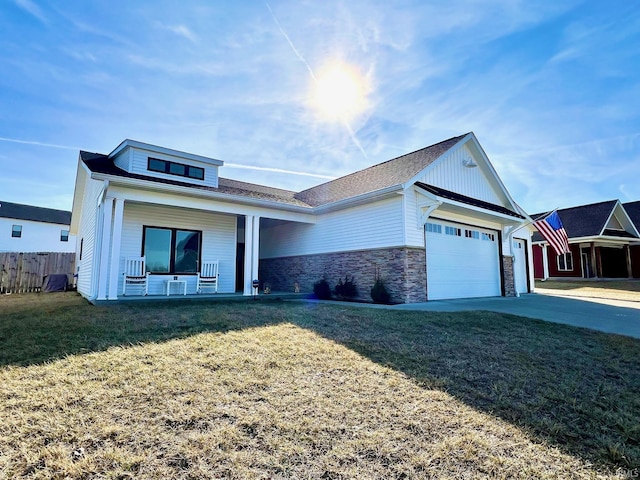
{"x": 508, "y": 277}
{"x": 403, "y": 270}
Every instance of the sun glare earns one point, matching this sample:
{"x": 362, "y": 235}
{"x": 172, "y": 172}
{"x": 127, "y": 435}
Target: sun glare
{"x": 340, "y": 92}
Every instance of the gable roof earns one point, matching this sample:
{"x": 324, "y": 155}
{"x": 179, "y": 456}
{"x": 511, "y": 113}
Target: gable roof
{"x": 35, "y": 214}
{"x": 396, "y": 171}
{"x": 100, "y": 163}
{"x": 457, "y": 197}
{"x": 585, "y": 221}
{"x": 633, "y": 210}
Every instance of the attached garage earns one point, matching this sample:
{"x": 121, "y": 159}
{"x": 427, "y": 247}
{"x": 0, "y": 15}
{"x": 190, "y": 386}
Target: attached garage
{"x": 462, "y": 261}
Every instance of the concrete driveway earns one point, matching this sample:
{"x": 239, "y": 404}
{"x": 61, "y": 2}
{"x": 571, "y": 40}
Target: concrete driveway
{"x": 611, "y": 316}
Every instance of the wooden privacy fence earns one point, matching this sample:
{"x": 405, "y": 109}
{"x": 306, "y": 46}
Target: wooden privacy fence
{"x": 25, "y": 272}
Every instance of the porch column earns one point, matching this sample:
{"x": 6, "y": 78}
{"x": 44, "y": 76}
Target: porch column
{"x": 255, "y": 254}
{"x": 627, "y": 252}
{"x": 251, "y": 251}
{"x": 594, "y": 262}
{"x": 545, "y": 262}
{"x": 105, "y": 239}
{"x": 114, "y": 276}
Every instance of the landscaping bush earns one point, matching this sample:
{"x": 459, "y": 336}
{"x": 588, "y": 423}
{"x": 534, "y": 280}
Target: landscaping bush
{"x": 347, "y": 289}
{"x": 322, "y": 290}
{"x": 379, "y": 292}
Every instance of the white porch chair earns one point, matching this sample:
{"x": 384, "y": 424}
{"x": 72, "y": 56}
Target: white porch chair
{"x": 208, "y": 277}
{"x": 135, "y": 278}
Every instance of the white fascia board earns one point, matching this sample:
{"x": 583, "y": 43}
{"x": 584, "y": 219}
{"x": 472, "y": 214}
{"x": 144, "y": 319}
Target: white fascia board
{"x": 360, "y": 199}
{"x": 596, "y": 239}
{"x": 82, "y": 173}
{"x": 504, "y": 216}
{"x": 165, "y": 151}
{"x": 604, "y": 226}
{"x": 625, "y": 220}
{"x": 446, "y": 201}
{"x": 177, "y": 189}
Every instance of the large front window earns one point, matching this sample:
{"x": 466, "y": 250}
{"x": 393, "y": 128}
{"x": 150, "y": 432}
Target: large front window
{"x": 171, "y": 250}
{"x": 565, "y": 262}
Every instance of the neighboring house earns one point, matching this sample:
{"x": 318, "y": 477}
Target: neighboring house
{"x": 436, "y": 223}
{"x": 603, "y": 241}
{"x": 633, "y": 210}
{"x": 24, "y": 228}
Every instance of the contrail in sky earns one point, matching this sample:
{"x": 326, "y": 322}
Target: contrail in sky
{"x": 39, "y": 144}
{"x": 313, "y": 76}
{"x": 278, "y": 170}
{"x": 232, "y": 165}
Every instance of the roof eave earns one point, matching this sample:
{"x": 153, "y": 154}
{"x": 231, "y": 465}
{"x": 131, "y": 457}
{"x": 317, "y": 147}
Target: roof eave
{"x": 226, "y": 197}
{"x": 597, "y": 238}
{"x": 359, "y": 199}
{"x": 163, "y": 150}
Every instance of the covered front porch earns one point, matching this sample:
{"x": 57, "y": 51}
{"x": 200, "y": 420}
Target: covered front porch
{"x": 592, "y": 258}
{"x": 175, "y": 236}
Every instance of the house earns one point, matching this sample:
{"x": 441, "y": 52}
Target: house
{"x": 25, "y": 228}
{"x": 436, "y": 223}
{"x": 603, "y": 240}
{"x": 633, "y": 210}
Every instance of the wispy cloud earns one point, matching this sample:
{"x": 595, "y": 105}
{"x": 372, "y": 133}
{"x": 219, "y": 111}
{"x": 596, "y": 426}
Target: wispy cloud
{"x": 346, "y": 124}
{"x": 182, "y": 31}
{"x": 38, "y": 144}
{"x": 32, "y": 9}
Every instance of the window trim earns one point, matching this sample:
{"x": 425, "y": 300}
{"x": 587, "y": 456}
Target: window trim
{"x": 167, "y": 168}
{"x": 565, "y": 256}
{"x": 172, "y": 254}
{"x": 17, "y": 231}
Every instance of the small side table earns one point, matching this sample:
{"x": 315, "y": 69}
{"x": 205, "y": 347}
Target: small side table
{"x": 168, "y": 283}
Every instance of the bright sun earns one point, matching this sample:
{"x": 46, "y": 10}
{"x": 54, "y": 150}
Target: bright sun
{"x": 340, "y": 92}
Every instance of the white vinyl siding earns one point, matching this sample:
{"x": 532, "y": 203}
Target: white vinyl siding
{"x": 123, "y": 160}
{"x": 462, "y": 261}
{"x": 139, "y": 164}
{"x": 218, "y": 240}
{"x": 363, "y": 227}
{"x": 34, "y": 237}
{"x": 451, "y": 174}
{"x": 87, "y": 234}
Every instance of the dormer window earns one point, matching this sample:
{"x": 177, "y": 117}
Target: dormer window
{"x": 174, "y": 168}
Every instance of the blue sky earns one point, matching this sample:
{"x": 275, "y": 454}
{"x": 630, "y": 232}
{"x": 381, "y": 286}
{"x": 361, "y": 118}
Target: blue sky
{"x": 551, "y": 89}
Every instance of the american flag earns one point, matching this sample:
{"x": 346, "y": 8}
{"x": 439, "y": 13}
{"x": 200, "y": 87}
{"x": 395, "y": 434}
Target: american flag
{"x": 551, "y": 228}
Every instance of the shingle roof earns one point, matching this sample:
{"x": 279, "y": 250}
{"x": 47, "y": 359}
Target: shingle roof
{"x": 441, "y": 192}
{"x": 633, "y": 210}
{"x": 387, "y": 174}
{"x": 36, "y": 214}
{"x": 392, "y": 172}
{"x": 582, "y": 221}
{"x": 100, "y": 163}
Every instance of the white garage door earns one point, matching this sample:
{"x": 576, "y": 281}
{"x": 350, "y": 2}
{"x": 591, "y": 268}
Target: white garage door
{"x": 520, "y": 265}
{"x": 462, "y": 261}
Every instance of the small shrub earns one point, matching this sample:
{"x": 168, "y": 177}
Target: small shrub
{"x": 322, "y": 290}
{"x": 347, "y": 289}
{"x": 379, "y": 292}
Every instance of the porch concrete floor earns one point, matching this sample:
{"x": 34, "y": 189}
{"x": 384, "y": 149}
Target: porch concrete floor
{"x": 207, "y": 297}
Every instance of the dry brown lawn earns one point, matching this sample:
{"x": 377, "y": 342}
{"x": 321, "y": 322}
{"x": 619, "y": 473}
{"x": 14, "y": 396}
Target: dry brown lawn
{"x": 628, "y": 290}
{"x": 273, "y": 390}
